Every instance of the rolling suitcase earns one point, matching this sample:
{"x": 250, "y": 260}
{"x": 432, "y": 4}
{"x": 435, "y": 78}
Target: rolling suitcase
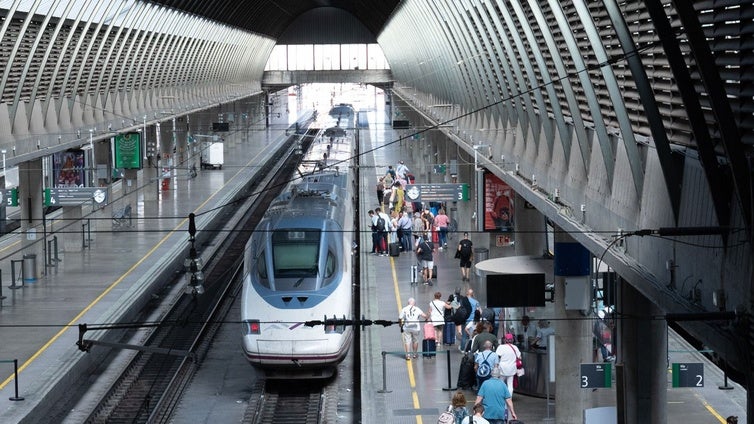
{"x": 429, "y": 348}
{"x": 466, "y": 374}
{"x": 395, "y": 249}
{"x": 449, "y": 334}
{"x": 434, "y": 271}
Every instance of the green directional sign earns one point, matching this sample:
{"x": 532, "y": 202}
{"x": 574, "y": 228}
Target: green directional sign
{"x": 437, "y": 192}
{"x": 9, "y": 197}
{"x": 688, "y": 374}
{"x": 596, "y": 375}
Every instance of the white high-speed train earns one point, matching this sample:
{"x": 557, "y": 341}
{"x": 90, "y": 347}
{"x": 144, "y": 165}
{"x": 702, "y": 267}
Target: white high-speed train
{"x": 298, "y": 263}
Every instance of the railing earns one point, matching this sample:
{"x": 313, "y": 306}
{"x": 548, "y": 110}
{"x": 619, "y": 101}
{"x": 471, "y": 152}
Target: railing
{"x": 401, "y": 354}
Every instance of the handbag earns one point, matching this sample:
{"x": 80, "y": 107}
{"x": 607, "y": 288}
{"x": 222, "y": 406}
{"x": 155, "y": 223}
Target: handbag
{"x": 458, "y": 254}
{"x": 519, "y": 362}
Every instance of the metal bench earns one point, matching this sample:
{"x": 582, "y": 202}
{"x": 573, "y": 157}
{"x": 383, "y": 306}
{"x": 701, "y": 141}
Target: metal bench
{"x": 122, "y": 216}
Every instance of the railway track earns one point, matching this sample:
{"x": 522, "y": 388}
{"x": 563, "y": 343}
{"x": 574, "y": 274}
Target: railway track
{"x": 286, "y": 404}
{"x": 152, "y": 385}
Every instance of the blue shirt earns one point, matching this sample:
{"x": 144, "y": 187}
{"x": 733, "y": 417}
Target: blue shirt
{"x": 489, "y": 357}
{"x": 474, "y": 306}
{"x": 494, "y": 392}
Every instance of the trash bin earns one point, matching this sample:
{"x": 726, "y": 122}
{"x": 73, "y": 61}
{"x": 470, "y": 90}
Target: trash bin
{"x": 480, "y": 254}
{"x": 29, "y": 269}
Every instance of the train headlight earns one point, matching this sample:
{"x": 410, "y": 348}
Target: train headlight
{"x": 252, "y": 326}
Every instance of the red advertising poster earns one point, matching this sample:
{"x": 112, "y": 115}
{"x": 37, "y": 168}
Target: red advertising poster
{"x": 498, "y": 204}
{"x": 68, "y": 168}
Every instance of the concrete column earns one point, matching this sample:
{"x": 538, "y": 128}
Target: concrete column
{"x": 164, "y": 133}
{"x": 182, "y": 153}
{"x": 30, "y": 199}
{"x": 529, "y": 224}
{"x": 573, "y": 335}
{"x": 642, "y": 348}
{"x": 71, "y": 236}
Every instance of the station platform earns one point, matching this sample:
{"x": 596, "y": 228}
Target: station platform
{"x": 38, "y": 322}
{"x": 416, "y": 391}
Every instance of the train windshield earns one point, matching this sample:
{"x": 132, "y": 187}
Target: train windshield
{"x": 295, "y": 253}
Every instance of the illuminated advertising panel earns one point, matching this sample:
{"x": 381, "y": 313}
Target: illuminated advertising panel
{"x": 498, "y": 204}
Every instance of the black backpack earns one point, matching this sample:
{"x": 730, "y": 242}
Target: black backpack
{"x": 380, "y": 224}
{"x": 460, "y": 315}
{"x": 488, "y": 314}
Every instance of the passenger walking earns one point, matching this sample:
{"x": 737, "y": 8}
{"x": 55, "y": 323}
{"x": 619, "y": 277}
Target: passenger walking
{"x": 402, "y": 171}
{"x": 484, "y": 335}
{"x": 417, "y": 228}
{"x": 493, "y": 394}
{"x": 380, "y": 191}
{"x": 428, "y": 219}
{"x": 473, "y": 306}
{"x": 602, "y": 336}
{"x": 424, "y": 252}
{"x": 390, "y": 173}
{"x": 410, "y": 327}
{"x": 437, "y": 308}
{"x": 398, "y": 196}
{"x": 382, "y": 224}
{"x": 387, "y": 182}
{"x": 404, "y": 231}
{"x": 465, "y": 254}
{"x": 442, "y": 221}
{"x": 478, "y": 417}
{"x": 458, "y": 407}
{"x": 485, "y": 361}
{"x": 375, "y": 238}
{"x": 394, "y": 227}
{"x": 509, "y": 356}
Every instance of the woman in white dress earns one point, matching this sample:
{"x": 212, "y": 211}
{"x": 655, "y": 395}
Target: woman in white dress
{"x": 508, "y": 353}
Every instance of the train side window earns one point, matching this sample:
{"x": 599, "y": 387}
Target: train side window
{"x": 330, "y": 265}
{"x": 261, "y": 266}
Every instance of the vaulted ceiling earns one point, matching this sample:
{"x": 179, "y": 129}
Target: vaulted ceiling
{"x": 272, "y": 17}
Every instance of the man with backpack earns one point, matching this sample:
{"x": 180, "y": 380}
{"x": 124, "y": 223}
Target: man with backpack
{"x": 381, "y": 221}
{"x": 469, "y": 305}
{"x": 466, "y": 255}
{"x": 424, "y": 253}
{"x": 485, "y": 361}
{"x": 410, "y": 327}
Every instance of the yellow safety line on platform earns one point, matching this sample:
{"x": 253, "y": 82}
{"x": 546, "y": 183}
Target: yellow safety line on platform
{"x": 72, "y": 323}
{"x": 411, "y": 379}
{"x": 710, "y": 409}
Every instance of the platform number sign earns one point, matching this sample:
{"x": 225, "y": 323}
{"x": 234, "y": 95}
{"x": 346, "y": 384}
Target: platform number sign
{"x": 9, "y": 197}
{"x": 596, "y": 375}
{"x": 688, "y": 375}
